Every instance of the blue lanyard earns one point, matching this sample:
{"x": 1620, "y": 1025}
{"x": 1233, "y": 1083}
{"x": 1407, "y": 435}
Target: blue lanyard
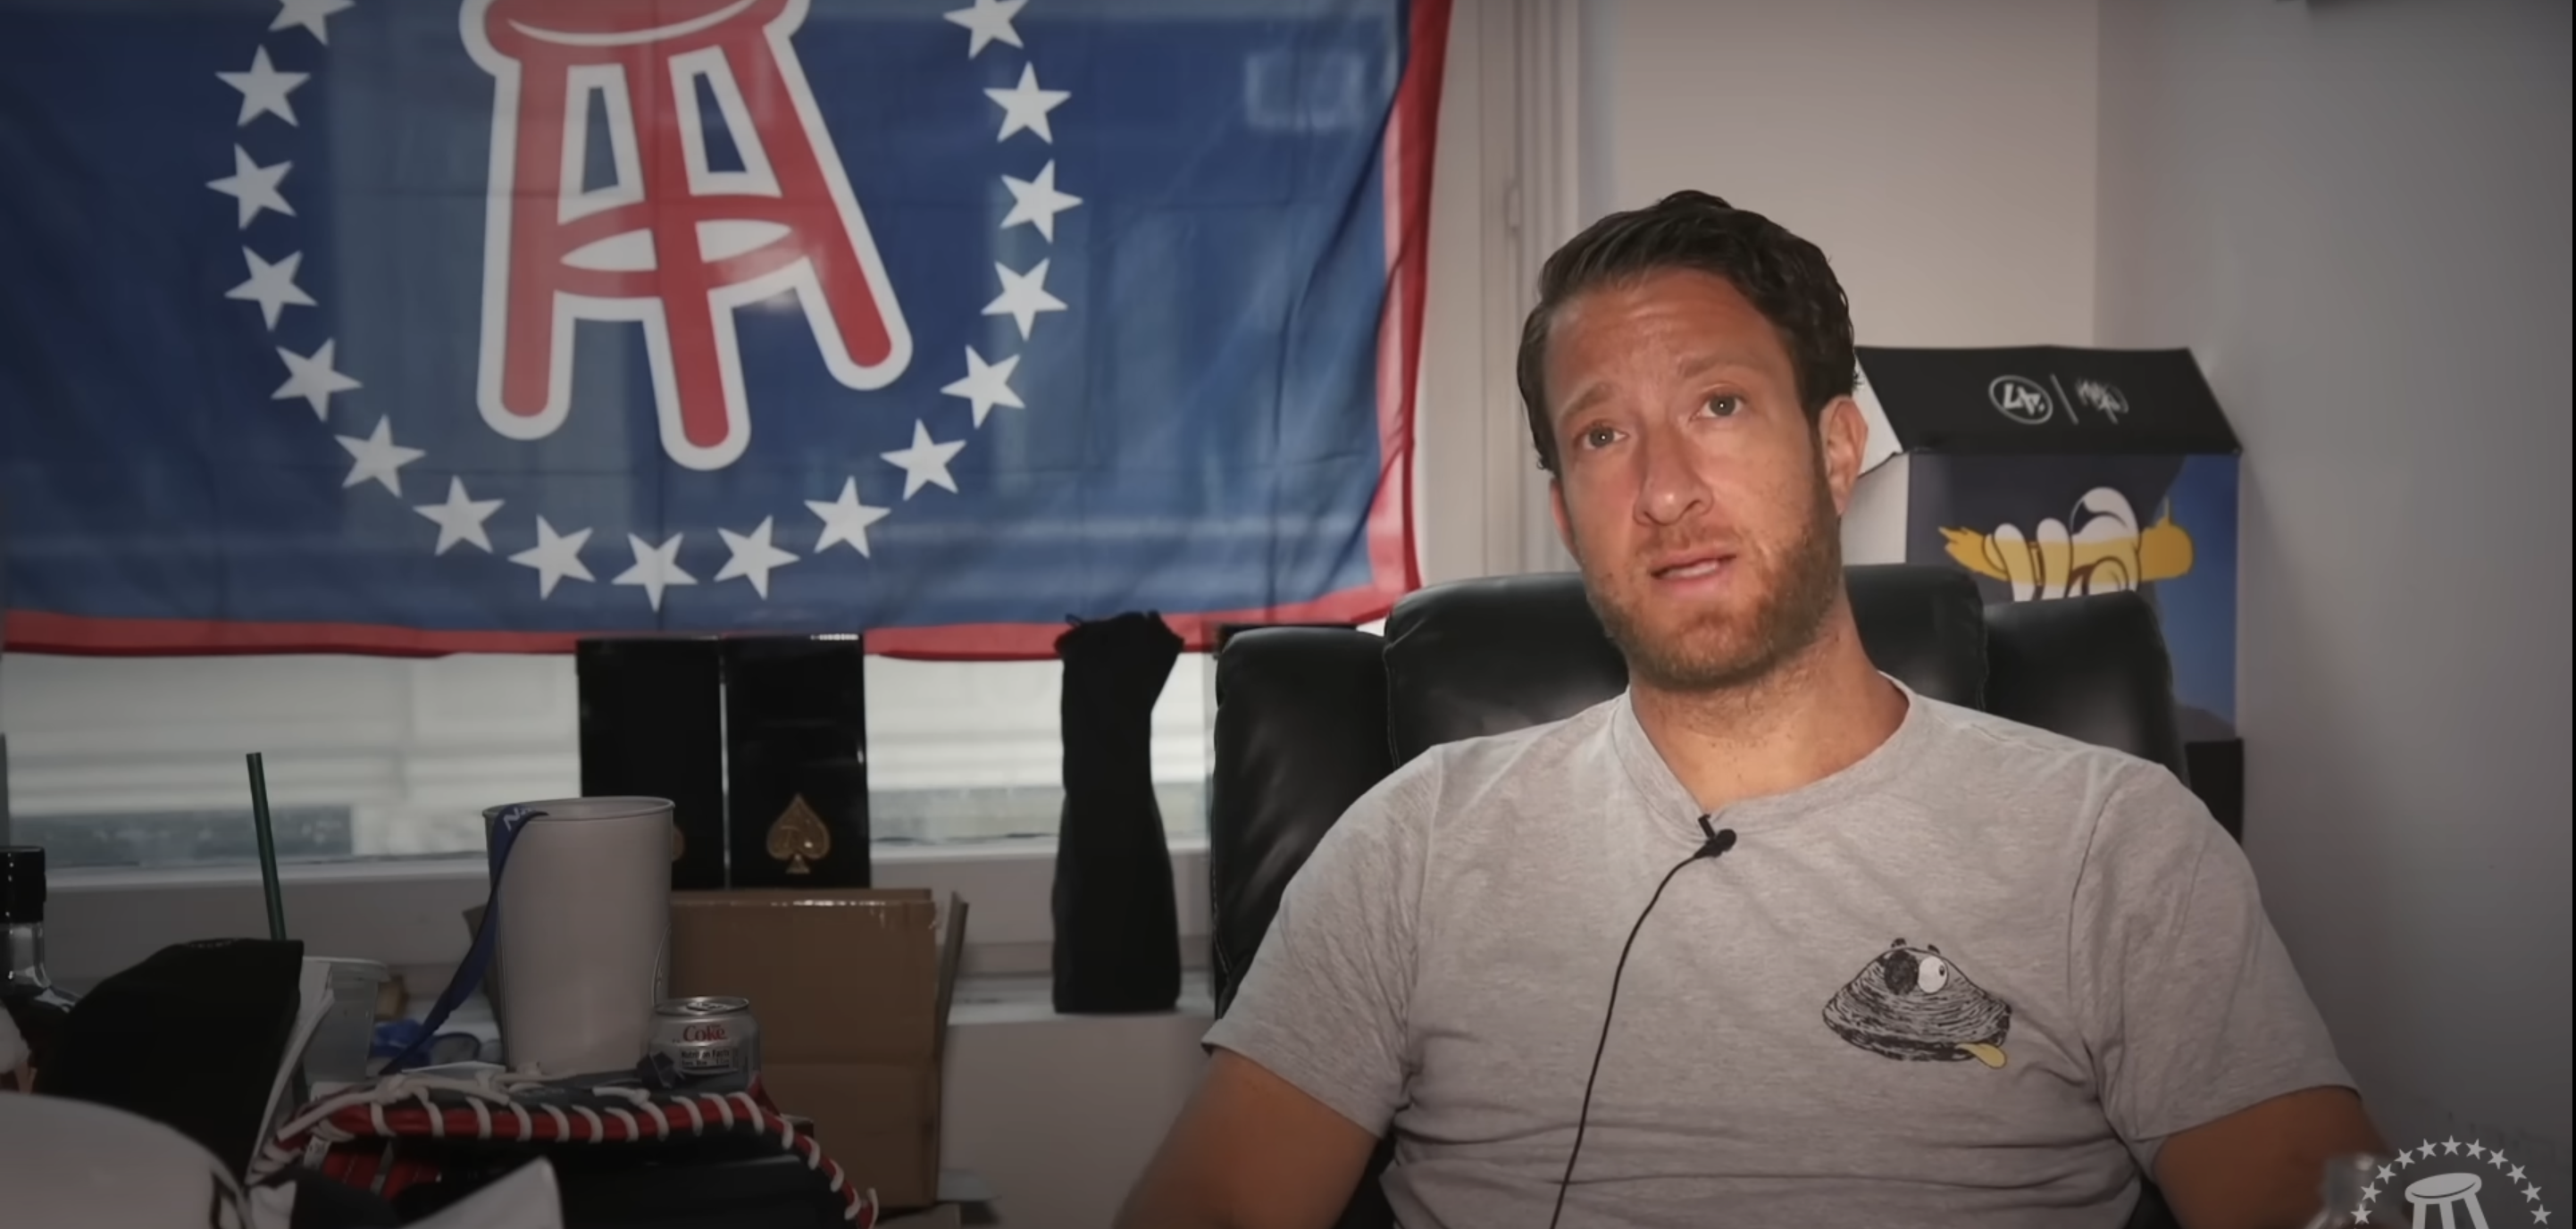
{"x": 478, "y": 958}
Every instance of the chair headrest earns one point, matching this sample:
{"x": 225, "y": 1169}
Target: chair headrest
{"x": 2091, "y": 668}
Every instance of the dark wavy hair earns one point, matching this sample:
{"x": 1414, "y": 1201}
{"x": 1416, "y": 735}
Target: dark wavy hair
{"x": 1785, "y": 277}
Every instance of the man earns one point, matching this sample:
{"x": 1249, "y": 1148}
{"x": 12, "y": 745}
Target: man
{"x": 1953, "y": 970}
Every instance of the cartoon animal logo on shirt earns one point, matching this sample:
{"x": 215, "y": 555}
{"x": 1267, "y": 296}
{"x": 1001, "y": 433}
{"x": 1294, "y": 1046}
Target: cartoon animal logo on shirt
{"x": 1912, "y": 1003}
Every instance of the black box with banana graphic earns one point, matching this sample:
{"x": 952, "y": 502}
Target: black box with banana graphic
{"x": 2056, "y": 471}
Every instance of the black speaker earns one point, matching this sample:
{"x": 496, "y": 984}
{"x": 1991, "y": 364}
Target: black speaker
{"x": 796, "y": 761}
{"x": 652, "y": 724}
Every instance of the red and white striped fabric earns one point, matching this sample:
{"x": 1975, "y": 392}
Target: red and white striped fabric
{"x": 341, "y": 1135}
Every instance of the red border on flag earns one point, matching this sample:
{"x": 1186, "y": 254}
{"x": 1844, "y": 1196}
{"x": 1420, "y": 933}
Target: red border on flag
{"x": 1394, "y": 571}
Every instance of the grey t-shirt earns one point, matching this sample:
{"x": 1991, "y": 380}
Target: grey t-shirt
{"x": 1974, "y": 979}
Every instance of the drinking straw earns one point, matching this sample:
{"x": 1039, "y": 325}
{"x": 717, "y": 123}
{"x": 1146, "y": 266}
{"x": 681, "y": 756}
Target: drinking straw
{"x": 267, "y": 849}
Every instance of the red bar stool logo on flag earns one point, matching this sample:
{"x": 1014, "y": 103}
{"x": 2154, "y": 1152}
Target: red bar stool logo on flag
{"x": 670, "y": 242}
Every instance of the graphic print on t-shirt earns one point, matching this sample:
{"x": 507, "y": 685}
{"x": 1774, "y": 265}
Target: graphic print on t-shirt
{"x": 1912, "y": 1003}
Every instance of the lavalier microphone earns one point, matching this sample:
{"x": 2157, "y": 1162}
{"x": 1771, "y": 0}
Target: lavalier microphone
{"x": 1719, "y": 841}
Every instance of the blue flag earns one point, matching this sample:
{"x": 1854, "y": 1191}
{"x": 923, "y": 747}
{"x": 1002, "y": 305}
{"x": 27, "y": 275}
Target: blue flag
{"x": 434, "y": 326}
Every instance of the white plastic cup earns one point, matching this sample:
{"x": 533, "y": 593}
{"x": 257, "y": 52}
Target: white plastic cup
{"x": 337, "y": 1054}
{"x": 585, "y": 909}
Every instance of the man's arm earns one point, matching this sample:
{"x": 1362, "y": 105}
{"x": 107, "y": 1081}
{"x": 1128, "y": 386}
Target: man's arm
{"x": 2211, "y": 1060}
{"x": 2262, "y": 1166}
{"x": 1250, "y": 1151}
{"x": 1309, "y": 1061}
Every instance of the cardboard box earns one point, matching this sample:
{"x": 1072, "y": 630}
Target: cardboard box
{"x": 2049, "y": 471}
{"x": 851, "y": 988}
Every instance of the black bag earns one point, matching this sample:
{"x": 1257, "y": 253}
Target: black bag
{"x": 190, "y": 1038}
{"x": 1117, "y": 926}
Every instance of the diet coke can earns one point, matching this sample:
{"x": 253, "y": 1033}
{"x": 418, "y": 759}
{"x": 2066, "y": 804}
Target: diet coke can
{"x": 708, "y": 1039}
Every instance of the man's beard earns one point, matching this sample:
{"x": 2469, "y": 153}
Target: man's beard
{"x": 1786, "y": 619}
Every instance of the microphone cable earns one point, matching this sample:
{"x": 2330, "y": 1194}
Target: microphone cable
{"x": 1719, "y": 841}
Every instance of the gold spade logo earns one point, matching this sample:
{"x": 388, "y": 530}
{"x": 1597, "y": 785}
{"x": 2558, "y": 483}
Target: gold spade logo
{"x": 797, "y": 837}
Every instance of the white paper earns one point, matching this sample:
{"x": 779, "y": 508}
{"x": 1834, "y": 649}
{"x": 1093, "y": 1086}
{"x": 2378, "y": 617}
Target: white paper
{"x": 313, "y": 1001}
{"x": 526, "y": 1199}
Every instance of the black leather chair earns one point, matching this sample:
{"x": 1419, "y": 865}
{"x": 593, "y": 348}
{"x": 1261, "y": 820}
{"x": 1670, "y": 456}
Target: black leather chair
{"x": 1308, "y": 718}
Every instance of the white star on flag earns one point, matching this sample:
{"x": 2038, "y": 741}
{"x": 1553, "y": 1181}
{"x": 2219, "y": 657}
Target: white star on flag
{"x": 846, "y": 520}
{"x": 1025, "y": 106}
{"x": 1036, "y": 202}
{"x": 656, "y": 568}
{"x": 984, "y": 385}
{"x": 753, "y": 557}
{"x": 312, "y": 379}
{"x": 271, "y": 286}
{"x": 926, "y": 462}
{"x": 310, "y": 14}
{"x": 378, "y": 458}
{"x": 254, "y": 186}
{"x": 264, "y": 90}
{"x": 990, "y": 22}
{"x": 555, "y": 556}
{"x": 1023, "y": 296}
{"x": 460, "y": 519}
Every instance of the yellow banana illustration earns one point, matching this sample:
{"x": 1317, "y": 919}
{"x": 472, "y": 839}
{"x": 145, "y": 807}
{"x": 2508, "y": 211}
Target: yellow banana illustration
{"x": 2105, "y": 553}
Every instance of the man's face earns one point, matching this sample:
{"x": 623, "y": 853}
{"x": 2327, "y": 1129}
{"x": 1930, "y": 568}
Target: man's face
{"x": 1702, "y": 505}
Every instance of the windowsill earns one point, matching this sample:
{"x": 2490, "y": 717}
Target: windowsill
{"x": 1030, "y": 999}
{"x": 73, "y": 881}
{"x": 408, "y": 912}
{"x": 465, "y": 866}
{"x": 995, "y": 999}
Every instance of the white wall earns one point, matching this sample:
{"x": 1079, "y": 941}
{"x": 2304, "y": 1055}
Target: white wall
{"x": 1941, "y": 154}
{"x": 1464, "y": 479}
{"x": 2358, "y": 215}
{"x": 1060, "y": 1114}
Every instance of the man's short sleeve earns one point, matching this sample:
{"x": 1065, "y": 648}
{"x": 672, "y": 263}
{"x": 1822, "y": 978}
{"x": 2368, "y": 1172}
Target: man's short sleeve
{"x": 2192, "y": 1007}
{"x": 1324, "y": 1004}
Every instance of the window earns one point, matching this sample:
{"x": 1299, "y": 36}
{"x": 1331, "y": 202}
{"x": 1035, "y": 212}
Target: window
{"x": 963, "y": 751}
{"x": 138, "y": 761}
